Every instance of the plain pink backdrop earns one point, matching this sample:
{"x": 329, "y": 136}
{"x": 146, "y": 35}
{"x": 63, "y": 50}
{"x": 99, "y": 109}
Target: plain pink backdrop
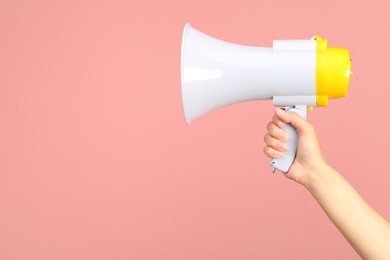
{"x": 97, "y": 162}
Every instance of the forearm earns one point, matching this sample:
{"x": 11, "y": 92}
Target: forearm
{"x": 363, "y": 227}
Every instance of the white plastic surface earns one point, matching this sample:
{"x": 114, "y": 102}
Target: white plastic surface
{"x": 284, "y": 163}
{"x": 216, "y": 73}
{"x": 294, "y": 72}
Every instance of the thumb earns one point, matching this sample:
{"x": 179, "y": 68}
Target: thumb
{"x": 294, "y": 119}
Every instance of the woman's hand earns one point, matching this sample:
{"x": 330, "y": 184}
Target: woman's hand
{"x": 309, "y": 157}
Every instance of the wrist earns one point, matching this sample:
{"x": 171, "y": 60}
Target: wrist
{"x": 315, "y": 174}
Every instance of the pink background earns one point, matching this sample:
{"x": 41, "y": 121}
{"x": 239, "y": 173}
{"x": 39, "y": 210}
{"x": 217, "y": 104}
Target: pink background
{"x": 96, "y": 161}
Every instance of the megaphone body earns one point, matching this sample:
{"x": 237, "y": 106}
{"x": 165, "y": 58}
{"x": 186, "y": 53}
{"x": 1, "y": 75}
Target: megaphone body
{"x": 293, "y": 73}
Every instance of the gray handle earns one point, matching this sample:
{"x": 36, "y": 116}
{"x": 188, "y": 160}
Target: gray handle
{"x": 284, "y": 163}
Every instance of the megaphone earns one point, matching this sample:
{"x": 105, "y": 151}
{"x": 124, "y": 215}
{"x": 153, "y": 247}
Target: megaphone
{"x": 295, "y": 74}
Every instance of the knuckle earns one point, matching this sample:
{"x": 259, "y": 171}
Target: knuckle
{"x": 272, "y": 130}
{"x": 265, "y": 150}
{"x": 268, "y": 139}
{"x": 269, "y": 125}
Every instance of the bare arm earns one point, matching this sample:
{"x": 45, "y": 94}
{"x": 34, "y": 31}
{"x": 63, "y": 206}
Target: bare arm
{"x": 366, "y": 230}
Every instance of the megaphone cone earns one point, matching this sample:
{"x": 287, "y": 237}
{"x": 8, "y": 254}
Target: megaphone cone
{"x": 216, "y": 73}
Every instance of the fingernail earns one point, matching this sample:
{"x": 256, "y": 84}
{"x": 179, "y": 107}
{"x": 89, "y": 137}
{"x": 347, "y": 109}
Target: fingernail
{"x": 280, "y": 124}
{"x": 284, "y": 136}
{"x": 284, "y": 146}
{"x": 278, "y": 154}
{"x": 281, "y": 110}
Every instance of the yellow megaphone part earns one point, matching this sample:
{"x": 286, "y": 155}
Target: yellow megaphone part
{"x": 333, "y": 69}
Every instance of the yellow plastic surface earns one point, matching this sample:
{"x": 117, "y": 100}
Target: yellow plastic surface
{"x": 333, "y": 69}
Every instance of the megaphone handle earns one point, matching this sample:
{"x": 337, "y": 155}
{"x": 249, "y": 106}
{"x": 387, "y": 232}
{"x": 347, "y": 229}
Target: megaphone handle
{"x": 284, "y": 163}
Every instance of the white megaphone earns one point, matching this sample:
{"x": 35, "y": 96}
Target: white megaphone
{"x": 293, "y": 73}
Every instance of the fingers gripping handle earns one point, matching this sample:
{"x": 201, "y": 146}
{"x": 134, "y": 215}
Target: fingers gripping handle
{"x": 284, "y": 163}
